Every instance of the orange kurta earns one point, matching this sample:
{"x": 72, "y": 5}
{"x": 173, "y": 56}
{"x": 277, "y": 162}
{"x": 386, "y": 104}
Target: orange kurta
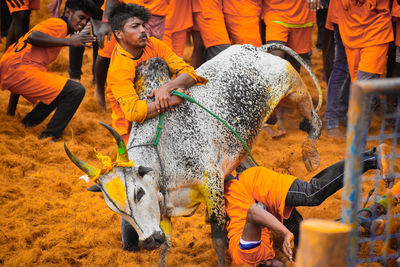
{"x": 22, "y": 67}
{"x": 243, "y": 21}
{"x": 255, "y": 184}
{"x": 290, "y": 22}
{"x": 292, "y": 11}
{"x": 332, "y": 17}
{"x": 27, "y": 5}
{"x": 209, "y": 19}
{"x": 178, "y": 20}
{"x": 366, "y": 25}
{"x": 121, "y": 92}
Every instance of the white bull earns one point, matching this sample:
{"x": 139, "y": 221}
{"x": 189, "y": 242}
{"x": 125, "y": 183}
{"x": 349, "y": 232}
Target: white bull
{"x": 195, "y": 151}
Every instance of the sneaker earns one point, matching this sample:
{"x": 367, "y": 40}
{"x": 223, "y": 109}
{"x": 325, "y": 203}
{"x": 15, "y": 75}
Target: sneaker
{"x": 384, "y": 159}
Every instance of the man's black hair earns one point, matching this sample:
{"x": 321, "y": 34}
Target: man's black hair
{"x": 87, "y": 6}
{"x": 120, "y": 14}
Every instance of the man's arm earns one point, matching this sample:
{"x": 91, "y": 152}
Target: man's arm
{"x": 105, "y": 28}
{"x": 44, "y": 40}
{"x": 260, "y": 217}
{"x": 163, "y": 100}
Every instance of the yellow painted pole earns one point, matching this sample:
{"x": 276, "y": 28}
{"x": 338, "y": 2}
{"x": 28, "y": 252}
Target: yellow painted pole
{"x": 322, "y": 243}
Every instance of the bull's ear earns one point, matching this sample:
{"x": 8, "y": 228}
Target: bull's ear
{"x": 94, "y": 188}
{"x": 143, "y": 170}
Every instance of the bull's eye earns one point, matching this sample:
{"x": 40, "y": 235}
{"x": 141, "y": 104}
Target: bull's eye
{"x": 139, "y": 194}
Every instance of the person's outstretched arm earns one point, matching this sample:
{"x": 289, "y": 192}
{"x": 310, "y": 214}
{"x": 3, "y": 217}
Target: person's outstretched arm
{"x": 258, "y": 217}
{"x": 44, "y": 40}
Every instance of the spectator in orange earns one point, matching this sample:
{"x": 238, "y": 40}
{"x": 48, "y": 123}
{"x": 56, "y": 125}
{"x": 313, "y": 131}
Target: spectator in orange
{"x": 208, "y": 19}
{"x": 134, "y": 47}
{"x": 337, "y": 96}
{"x": 178, "y": 22}
{"x": 366, "y": 30}
{"x": 106, "y": 41}
{"x": 23, "y": 72}
{"x": 260, "y": 200}
{"x": 243, "y": 21}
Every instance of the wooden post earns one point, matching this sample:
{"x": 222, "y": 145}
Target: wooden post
{"x": 322, "y": 243}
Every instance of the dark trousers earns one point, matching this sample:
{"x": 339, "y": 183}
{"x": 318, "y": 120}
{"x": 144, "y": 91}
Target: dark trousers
{"x": 338, "y": 86}
{"x": 65, "y": 104}
{"x": 325, "y": 183}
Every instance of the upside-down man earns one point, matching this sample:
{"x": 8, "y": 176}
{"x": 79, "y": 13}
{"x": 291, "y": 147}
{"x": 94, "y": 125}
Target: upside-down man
{"x": 250, "y": 224}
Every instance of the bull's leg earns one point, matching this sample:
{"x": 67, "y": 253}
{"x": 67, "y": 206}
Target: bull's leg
{"x": 164, "y": 248}
{"x": 312, "y": 123}
{"x": 216, "y": 210}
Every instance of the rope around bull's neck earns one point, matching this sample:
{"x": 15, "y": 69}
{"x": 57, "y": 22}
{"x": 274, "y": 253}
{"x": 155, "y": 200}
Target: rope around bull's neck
{"x": 192, "y": 100}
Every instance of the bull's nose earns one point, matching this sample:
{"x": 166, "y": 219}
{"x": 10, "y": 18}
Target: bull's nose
{"x": 159, "y": 238}
{"x": 154, "y": 241}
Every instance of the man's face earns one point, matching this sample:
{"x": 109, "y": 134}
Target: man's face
{"x": 133, "y": 33}
{"x": 77, "y": 19}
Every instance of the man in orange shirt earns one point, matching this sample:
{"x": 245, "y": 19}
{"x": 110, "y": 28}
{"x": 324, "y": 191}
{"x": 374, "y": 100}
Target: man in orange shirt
{"x": 154, "y": 27}
{"x": 366, "y": 30}
{"x": 23, "y": 72}
{"x": 260, "y": 200}
{"x": 134, "y": 47}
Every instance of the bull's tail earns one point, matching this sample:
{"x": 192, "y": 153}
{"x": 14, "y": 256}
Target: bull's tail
{"x": 275, "y": 46}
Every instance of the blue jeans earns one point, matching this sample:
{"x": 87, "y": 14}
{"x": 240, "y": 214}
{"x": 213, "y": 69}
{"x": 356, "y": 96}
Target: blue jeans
{"x": 338, "y": 86}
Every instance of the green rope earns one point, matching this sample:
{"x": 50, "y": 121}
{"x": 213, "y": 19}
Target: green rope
{"x": 191, "y": 99}
{"x": 159, "y": 128}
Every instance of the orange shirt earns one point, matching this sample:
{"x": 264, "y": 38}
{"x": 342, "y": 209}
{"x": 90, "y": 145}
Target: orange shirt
{"x": 212, "y": 8}
{"x": 255, "y": 184}
{"x": 288, "y": 11}
{"x": 245, "y": 8}
{"x": 156, "y": 7}
{"x": 366, "y": 25}
{"x": 196, "y": 6}
{"x": 121, "y": 92}
{"x": 23, "y": 53}
{"x": 179, "y": 16}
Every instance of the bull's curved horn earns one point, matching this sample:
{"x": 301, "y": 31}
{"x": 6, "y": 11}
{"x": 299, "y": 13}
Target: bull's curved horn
{"x": 122, "y": 152}
{"x": 275, "y": 46}
{"x": 87, "y": 168}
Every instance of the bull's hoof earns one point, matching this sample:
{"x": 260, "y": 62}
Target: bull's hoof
{"x": 310, "y": 155}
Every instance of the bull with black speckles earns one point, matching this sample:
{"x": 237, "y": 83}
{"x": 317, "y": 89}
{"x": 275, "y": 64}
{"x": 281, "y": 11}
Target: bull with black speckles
{"x": 195, "y": 151}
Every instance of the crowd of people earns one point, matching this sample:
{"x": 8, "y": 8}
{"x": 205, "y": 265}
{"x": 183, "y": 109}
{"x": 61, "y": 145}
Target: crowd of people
{"x": 125, "y": 34}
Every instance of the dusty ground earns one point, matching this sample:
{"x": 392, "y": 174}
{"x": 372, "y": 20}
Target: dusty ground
{"x": 47, "y": 217}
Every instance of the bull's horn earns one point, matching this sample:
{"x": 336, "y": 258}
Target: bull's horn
{"x": 122, "y": 152}
{"x": 87, "y": 168}
{"x": 143, "y": 170}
